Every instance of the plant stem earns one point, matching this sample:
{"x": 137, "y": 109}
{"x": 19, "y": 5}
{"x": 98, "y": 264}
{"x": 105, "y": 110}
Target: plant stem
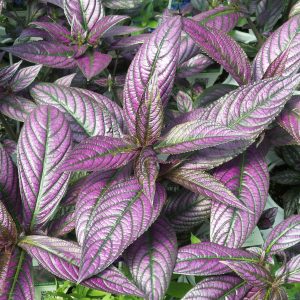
{"x": 259, "y": 38}
{"x": 7, "y": 128}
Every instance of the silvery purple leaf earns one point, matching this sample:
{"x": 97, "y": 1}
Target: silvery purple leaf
{"x": 229, "y": 286}
{"x": 164, "y": 45}
{"x": 267, "y": 218}
{"x": 295, "y": 10}
{"x": 61, "y": 258}
{"x": 258, "y": 251}
{"x": 24, "y": 78}
{"x": 193, "y": 66}
{"x": 247, "y": 177}
{"x": 57, "y": 32}
{"x": 151, "y": 259}
{"x": 146, "y": 171}
{"x": 118, "y": 81}
{"x": 222, "y": 18}
{"x": 8, "y": 72}
{"x": 46, "y": 53}
{"x": 92, "y": 63}
{"x": 253, "y": 273}
{"x": 102, "y": 26}
{"x": 186, "y": 210}
{"x": 77, "y": 30}
{"x": 9, "y": 146}
{"x": 290, "y": 272}
{"x": 19, "y": 282}
{"x": 122, "y": 4}
{"x": 277, "y": 67}
{"x": 221, "y": 48}
{"x": 149, "y": 118}
{"x": 8, "y": 233}
{"x": 99, "y": 153}
{"x": 205, "y": 184}
{"x": 45, "y": 140}
{"x": 286, "y": 40}
{"x": 110, "y": 232}
{"x": 65, "y": 80}
{"x": 130, "y": 42}
{"x": 196, "y": 135}
{"x": 284, "y": 235}
{"x": 205, "y": 259}
{"x": 86, "y": 116}
{"x": 16, "y": 107}
{"x": 88, "y": 12}
{"x": 256, "y": 293}
{"x": 188, "y": 48}
{"x": 184, "y": 102}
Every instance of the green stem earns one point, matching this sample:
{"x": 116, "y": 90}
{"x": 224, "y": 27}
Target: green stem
{"x": 259, "y": 38}
{"x": 7, "y": 128}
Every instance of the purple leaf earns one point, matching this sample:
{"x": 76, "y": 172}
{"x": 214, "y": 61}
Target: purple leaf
{"x": 61, "y": 258}
{"x": 188, "y": 49}
{"x": 45, "y": 140}
{"x": 277, "y": 67}
{"x": 146, "y": 171}
{"x": 222, "y": 18}
{"x": 77, "y": 30}
{"x": 221, "y": 48}
{"x": 205, "y": 259}
{"x": 8, "y": 72}
{"x": 87, "y": 12}
{"x": 86, "y": 116}
{"x": 130, "y": 42}
{"x": 149, "y": 119}
{"x": 8, "y": 233}
{"x": 110, "y": 232}
{"x": 205, "y": 184}
{"x": 99, "y": 153}
{"x": 196, "y": 135}
{"x": 186, "y": 210}
{"x": 65, "y": 80}
{"x": 184, "y": 102}
{"x": 267, "y": 218}
{"x": 16, "y": 107}
{"x": 164, "y": 45}
{"x": 93, "y": 63}
{"x": 284, "y": 41}
{"x": 46, "y": 53}
{"x": 151, "y": 259}
{"x": 290, "y": 272}
{"x": 19, "y": 282}
{"x": 102, "y": 26}
{"x": 253, "y": 273}
{"x": 24, "y": 78}
{"x": 229, "y": 286}
{"x": 284, "y": 235}
{"x": 247, "y": 177}
{"x": 9, "y": 146}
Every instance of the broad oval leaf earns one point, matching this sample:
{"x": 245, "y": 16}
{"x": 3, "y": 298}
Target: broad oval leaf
{"x": 159, "y": 53}
{"x": 221, "y": 48}
{"x": 87, "y": 116}
{"x": 8, "y": 72}
{"x": 186, "y": 210}
{"x": 124, "y": 213}
{"x": 284, "y": 235}
{"x": 205, "y": 259}
{"x": 8, "y": 232}
{"x": 247, "y": 177}
{"x": 151, "y": 259}
{"x": 99, "y": 153}
{"x": 61, "y": 258}
{"x": 65, "y": 80}
{"x": 229, "y": 286}
{"x": 44, "y": 141}
{"x": 184, "y": 102}
{"x": 290, "y": 272}
{"x": 285, "y": 39}
{"x": 205, "y": 184}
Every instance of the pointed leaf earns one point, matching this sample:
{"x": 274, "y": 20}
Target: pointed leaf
{"x": 24, "y": 78}
{"x": 122, "y": 4}
{"x": 267, "y": 218}
{"x": 247, "y": 177}
{"x": 188, "y": 48}
{"x": 164, "y": 45}
{"x": 45, "y": 140}
{"x": 288, "y": 177}
{"x": 86, "y": 116}
{"x": 16, "y": 107}
{"x": 205, "y": 259}
{"x": 8, "y": 72}
{"x": 284, "y": 235}
{"x": 277, "y": 67}
{"x": 286, "y": 40}
{"x": 205, "y": 184}
{"x": 229, "y": 286}
{"x": 99, "y": 153}
{"x": 151, "y": 259}
{"x": 110, "y": 232}
{"x": 290, "y": 272}
{"x": 61, "y": 258}
{"x": 8, "y": 230}
{"x": 221, "y": 48}
{"x": 186, "y": 210}
{"x": 93, "y": 63}
{"x": 253, "y": 273}
{"x": 184, "y": 102}
{"x": 87, "y": 12}
{"x": 66, "y": 80}
{"x": 46, "y": 53}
